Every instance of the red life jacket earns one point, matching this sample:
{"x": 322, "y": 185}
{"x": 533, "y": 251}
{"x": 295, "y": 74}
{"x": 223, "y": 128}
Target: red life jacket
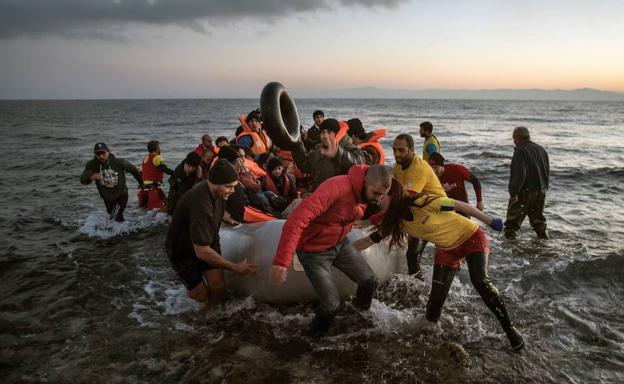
{"x": 374, "y": 143}
{"x": 270, "y": 185}
{"x": 261, "y": 142}
{"x": 150, "y": 171}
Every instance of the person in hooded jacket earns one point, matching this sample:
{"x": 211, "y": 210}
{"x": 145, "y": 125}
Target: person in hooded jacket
{"x": 109, "y": 174}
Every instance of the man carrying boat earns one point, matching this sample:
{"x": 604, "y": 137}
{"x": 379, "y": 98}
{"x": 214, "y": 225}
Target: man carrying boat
{"x": 193, "y": 245}
{"x": 317, "y": 231}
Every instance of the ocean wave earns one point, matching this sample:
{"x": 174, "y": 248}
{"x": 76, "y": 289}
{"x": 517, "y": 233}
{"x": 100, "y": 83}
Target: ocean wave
{"x": 488, "y": 155}
{"x": 99, "y": 225}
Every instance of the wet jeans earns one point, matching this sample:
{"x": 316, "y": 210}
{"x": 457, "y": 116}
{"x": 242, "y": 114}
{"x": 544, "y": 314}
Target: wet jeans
{"x": 530, "y": 203}
{"x": 318, "y": 268}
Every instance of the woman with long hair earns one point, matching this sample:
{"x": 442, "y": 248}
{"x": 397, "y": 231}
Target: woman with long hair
{"x": 456, "y": 237}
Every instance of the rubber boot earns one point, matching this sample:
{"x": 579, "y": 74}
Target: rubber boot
{"x": 415, "y": 248}
{"x": 441, "y": 283}
{"x": 515, "y": 338}
{"x": 542, "y": 235}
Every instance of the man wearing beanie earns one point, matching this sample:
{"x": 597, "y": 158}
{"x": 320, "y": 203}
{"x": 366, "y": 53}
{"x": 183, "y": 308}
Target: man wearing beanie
{"x": 332, "y": 156}
{"x": 192, "y": 242}
{"x": 184, "y": 177}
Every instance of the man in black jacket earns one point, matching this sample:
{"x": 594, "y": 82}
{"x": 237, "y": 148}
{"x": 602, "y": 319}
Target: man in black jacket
{"x": 528, "y": 183}
{"x": 109, "y": 174}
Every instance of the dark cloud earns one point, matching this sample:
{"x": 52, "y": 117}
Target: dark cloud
{"x": 104, "y": 18}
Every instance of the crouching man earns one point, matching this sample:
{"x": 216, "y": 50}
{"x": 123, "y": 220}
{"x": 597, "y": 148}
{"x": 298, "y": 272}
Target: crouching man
{"x": 193, "y": 238}
{"x": 317, "y": 230}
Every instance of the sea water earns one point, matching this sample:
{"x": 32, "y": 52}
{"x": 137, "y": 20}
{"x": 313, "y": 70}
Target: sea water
{"x": 86, "y": 300}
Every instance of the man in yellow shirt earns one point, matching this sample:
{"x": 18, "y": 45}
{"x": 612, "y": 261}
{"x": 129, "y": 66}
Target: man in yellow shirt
{"x": 431, "y": 144}
{"x": 415, "y": 175}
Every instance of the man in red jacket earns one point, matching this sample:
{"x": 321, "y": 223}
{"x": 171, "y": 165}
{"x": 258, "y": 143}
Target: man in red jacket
{"x": 317, "y": 230}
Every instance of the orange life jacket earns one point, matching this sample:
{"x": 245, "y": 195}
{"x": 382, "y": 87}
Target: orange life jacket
{"x": 374, "y": 142}
{"x": 254, "y": 168}
{"x": 253, "y": 215}
{"x": 150, "y": 171}
{"x": 344, "y": 128}
{"x": 270, "y": 185}
{"x": 261, "y": 142}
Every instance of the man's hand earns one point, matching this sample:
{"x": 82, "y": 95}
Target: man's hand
{"x": 513, "y": 199}
{"x": 96, "y": 177}
{"x": 244, "y": 268}
{"x": 480, "y": 205}
{"x": 278, "y": 274}
{"x": 227, "y": 218}
{"x": 361, "y": 224}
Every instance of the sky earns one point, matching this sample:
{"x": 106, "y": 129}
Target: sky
{"x": 194, "y": 48}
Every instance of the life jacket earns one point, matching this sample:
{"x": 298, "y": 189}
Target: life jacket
{"x": 253, "y": 215}
{"x": 261, "y": 142}
{"x": 151, "y": 173}
{"x": 342, "y": 132}
{"x": 270, "y": 185}
{"x": 373, "y": 141}
{"x": 254, "y": 168}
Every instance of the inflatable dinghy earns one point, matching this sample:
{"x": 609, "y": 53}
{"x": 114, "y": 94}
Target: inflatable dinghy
{"x": 257, "y": 243}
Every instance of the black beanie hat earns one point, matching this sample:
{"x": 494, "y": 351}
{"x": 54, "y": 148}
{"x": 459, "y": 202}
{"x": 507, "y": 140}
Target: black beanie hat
{"x": 228, "y": 153}
{"x": 273, "y": 163}
{"x": 331, "y": 125}
{"x": 192, "y": 159}
{"x": 356, "y": 129}
{"x": 222, "y": 172}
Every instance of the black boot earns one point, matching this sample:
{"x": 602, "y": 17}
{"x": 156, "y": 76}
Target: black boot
{"x": 415, "y": 248}
{"x": 477, "y": 267}
{"x": 542, "y": 235}
{"x": 515, "y": 338}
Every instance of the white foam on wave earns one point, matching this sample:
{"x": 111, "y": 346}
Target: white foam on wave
{"x": 98, "y": 224}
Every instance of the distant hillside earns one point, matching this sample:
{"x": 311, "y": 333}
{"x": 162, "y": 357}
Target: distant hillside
{"x": 583, "y": 94}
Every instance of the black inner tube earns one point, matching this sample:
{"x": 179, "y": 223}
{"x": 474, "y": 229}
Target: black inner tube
{"x": 279, "y": 115}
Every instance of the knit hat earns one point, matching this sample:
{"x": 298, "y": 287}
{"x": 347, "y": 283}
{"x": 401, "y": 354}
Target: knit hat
{"x": 436, "y": 159}
{"x": 192, "y": 159}
{"x": 222, "y": 172}
{"x": 330, "y": 125}
{"x": 228, "y": 153}
{"x": 356, "y": 129}
{"x": 273, "y": 163}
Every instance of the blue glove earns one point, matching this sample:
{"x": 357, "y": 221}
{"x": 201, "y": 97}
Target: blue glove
{"x": 497, "y": 224}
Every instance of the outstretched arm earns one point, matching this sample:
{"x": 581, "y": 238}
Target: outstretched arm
{"x": 477, "y": 188}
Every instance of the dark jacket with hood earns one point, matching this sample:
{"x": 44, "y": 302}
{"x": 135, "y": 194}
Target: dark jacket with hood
{"x": 113, "y": 171}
